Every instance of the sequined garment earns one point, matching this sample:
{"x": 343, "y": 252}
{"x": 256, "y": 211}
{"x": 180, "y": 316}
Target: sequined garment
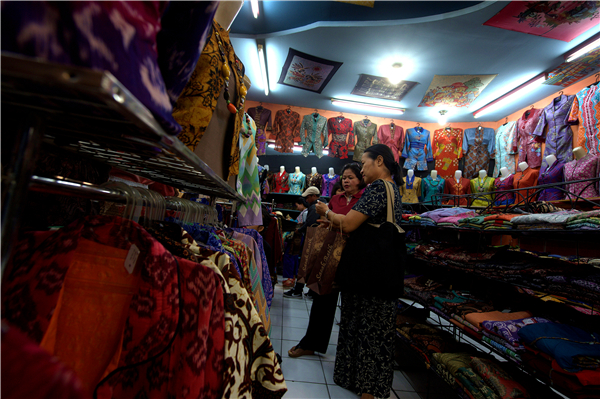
{"x": 447, "y": 149}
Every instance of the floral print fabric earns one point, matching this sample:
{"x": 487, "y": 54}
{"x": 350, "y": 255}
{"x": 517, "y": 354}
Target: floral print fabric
{"x": 585, "y": 108}
{"x": 340, "y": 128}
{"x": 579, "y": 169}
{"x": 505, "y": 156}
{"x": 286, "y": 126}
{"x": 313, "y": 134}
{"x": 530, "y": 150}
{"x": 447, "y": 149}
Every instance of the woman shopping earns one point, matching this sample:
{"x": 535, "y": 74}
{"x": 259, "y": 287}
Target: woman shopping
{"x": 322, "y": 312}
{"x": 370, "y": 274}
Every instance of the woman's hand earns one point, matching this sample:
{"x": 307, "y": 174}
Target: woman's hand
{"x": 324, "y": 223}
{"x": 321, "y": 208}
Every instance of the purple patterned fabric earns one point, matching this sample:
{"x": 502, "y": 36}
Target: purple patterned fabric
{"x": 553, "y": 174}
{"x": 578, "y": 169}
{"x": 559, "y": 139}
{"x": 262, "y": 118}
{"x": 509, "y": 329}
{"x": 503, "y": 185}
{"x": 530, "y": 150}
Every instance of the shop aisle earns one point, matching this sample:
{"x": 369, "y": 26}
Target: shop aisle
{"x": 310, "y": 377}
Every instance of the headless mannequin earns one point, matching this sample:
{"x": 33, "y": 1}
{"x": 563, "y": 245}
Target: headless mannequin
{"x": 550, "y": 159}
{"x": 523, "y": 166}
{"x": 482, "y": 174}
{"x": 297, "y": 170}
{"x": 267, "y": 167}
{"x": 579, "y": 152}
{"x": 313, "y": 170}
{"x": 410, "y": 174}
{"x": 504, "y": 173}
{"x": 281, "y": 170}
{"x": 434, "y": 174}
{"x": 458, "y": 175}
{"x": 331, "y": 172}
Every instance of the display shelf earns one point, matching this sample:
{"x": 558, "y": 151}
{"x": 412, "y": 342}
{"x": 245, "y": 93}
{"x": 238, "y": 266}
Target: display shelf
{"x": 287, "y": 210}
{"x": 92, "y": 113}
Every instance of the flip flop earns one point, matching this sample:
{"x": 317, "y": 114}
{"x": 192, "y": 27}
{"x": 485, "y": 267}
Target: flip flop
{"x": 297, "y": 352}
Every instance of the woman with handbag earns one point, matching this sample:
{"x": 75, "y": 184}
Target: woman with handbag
{"x": 371, "y": 277}
{"x": 322, "y": 311}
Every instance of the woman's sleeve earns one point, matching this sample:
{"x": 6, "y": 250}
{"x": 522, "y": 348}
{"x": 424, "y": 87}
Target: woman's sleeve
{"x": 373, "y": 201}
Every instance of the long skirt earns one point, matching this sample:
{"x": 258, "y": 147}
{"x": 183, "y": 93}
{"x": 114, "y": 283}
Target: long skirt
{"x": 365, "y": 350}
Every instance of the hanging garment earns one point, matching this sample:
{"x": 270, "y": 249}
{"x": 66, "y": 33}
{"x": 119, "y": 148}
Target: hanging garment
{"x": 553, "y": 174}
{"x": 314, "y": 180}
{"x": 313, "y": 134}
{"x": 447, "y": 149}
{"x": 505, "y": 156}
{"x": 286, "y": 126}
{"x": 340, "y": 128}
{"x": 529, "y": 149}
{"x": 503, "y": 185}
{"x": 412, "y": 190}
{"x": 462, "y": 187}
{"x": 430, "y": 188}
{"x": 328, "y": 183}
{"x": 248, "y": 185}
{"x": 262, "y": 117}
{"x": 365, "y": 134}
{"x": 559, "y": 139}
{"x": 585, "y": 108}
{"x": 196, "y": 104}
{"x": 417, "y": 149}
{"x": 297, "y": 182}
{"x": 479, "y": 146}
{"x": 579, "y": 169}
{"x": 392, "y": 136}
{"x": 525, "y": 179}
{"x": 281, "y": 182}
{"x": 479, "y": 186}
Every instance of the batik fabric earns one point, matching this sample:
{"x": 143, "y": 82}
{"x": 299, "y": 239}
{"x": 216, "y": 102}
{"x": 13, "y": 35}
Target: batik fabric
{"x": 281, "y": 182}
{"x": 328, "y": 183}
{"x": 393, "y": 136}
{"x": 417, "y": 149}
{"x": 262, "y": 118}
{"x": 462, "y": 187}
{"x": 340, "y": 128}
{"x": 586, "y": 109}
{"x": 447, "y": 149}
{"x": 505, "y": 156}
{"x": 430, "y": 187}
{"x": 529, "y": 149}
{"x": 248, "y": 184}
{"x": 478, "y": 148}
{"x": 503, "y": 185}
{"x": 480, "y": 186}
{"x": 296, "y": 183}
{"x": 579, "y": 169}
{"x": 559, "y": 138}
{"x": 314, "y": 180}
{"x": 286, "y": 126}
{"x": 365, "y": 134}
{"x": 552, "y": 174}
{"x": 313, "y": 134}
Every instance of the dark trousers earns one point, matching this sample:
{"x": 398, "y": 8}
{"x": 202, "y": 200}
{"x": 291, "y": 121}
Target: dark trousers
{"x": 320, "y": 323}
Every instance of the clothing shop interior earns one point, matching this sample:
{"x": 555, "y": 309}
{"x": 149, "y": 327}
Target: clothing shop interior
{"x": 300, "y": 199}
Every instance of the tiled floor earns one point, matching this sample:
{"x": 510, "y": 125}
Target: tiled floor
{"x": 312, "y": 376}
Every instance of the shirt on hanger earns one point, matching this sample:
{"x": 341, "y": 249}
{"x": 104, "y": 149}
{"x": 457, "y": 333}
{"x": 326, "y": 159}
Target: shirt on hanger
{"x": 585, "y": 109}
{"x": 286, "y": 126}
{"x": 417, "y": 149}
{"x": 530, "y": 150}
{"x": 262, "y": 117}
{"x": 478, "y": 148}
{"x": 447, "y": 149}
{"x": 313, "y": 134}
{"x": 393, "y": 137}
{"x": 340, "y": 128}
{"x": 559, "y": 139}
{"x": 505, "y": 156}
{"x": 365, "y": 134}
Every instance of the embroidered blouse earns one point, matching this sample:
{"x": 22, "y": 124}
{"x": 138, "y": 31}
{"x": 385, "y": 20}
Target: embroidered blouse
{"x": 313, "y": 134}
{"x": 503, "y": 185}
{"x": 477, "y": 187}
{"x": 431, "y": 187}
{"x": 559, "y": 139}
{"x": 281, "y": 182}
{"x": 393, "y": 138}
{"x": 340, "y": 128}
{"x": 296, "y": 183}
{"x": 505, "y": 156}
{"x": 462, "y": 187}
{"x": 553, "y": 174}
{"x": 530, "y": 150}
{"x": 417, "y": 149}
{"x": 365, "y": 134}
{"x": 412, "y": 190}
{"x": 447, "y": 149}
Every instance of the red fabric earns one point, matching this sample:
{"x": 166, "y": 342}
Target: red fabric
{"x": 30, "y": 372}
{"x": 338, "y": 203}
{"x": 454, "y": 188}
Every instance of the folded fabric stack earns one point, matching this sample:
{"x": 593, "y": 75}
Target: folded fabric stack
{"x": 475, "y": 222}
{"x": 426, "y": 221}
{"x": 427, "y": 340}
{"x": 448, "y": 364}
{"x": 432, "y": 218}
{"x": 499, "y": 222}
{"x": 584, "y": 221}
{"x": 555, "y": 220}
{"x": 422, "y": 289}
{"x": 502, "y": 384}
{"x": 453, "y": 221}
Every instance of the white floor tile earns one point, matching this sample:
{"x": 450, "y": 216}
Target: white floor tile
{"x": 401, "y": 383}
{"x": 336, "y": 392}
{"x": 287, "y": 345}
{"x": 303, "y": 390}
{"x": 276, "y": 345}
{"x": 290, "y": 321}
{"x": 275, "y": 332}
{"x": 335, "y": 327}
{"x": 299, "y": 313}
{"x": 330, "y": 355}
{"x": 328, "y": 370}
{"x": 293, "y": 304}
{"x": 333, "y": 340}
{"x": 293, "y": 334}
{"x": 276, "y": 320}
{"x": 299, "y": 370}
{"x": 406, "y": 395}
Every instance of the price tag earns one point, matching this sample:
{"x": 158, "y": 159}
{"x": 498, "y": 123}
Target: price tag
{"x": 132, "y": 258}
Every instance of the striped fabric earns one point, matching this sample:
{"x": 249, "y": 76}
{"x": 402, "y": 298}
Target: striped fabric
{"x": 248, "y": 185}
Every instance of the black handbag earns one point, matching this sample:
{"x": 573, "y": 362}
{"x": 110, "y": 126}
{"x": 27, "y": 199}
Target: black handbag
{"x": 373, "y": 261}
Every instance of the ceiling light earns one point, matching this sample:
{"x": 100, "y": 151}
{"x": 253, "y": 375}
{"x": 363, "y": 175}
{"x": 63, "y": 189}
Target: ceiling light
{"x": 365, "y": 106}
{"x": 262, "y": 60}
{"x": 442, "y": 119}
{"x": 254, "y": 4}
{"x": 395, "y": 74}
{"x": 583, "y": 49}
{"x": 510, "y": 96}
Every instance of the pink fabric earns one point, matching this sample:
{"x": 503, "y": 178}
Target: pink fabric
{"x": 530, "y": 150}
{"x": 584, "y": 168}
{"x": 455, "y": 219}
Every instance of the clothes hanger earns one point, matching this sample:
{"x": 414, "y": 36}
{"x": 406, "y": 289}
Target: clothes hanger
{"x": 506, "y": 121}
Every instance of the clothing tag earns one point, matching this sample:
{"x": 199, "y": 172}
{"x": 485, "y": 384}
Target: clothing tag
{"x": 132, "y": 258}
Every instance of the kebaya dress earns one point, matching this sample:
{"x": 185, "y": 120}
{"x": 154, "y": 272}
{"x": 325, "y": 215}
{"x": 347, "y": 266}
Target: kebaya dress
{"x": 559, "y": 139}
{"x": 314, "y": 180}
{"x": 553, "y": 174}
{"x": 530, "y": 150}
{"x": 586, "y": 109}
{"x": 339, "y": 128}
{"x": 286, "y": 126}
{"x": 365, "y": 134}
{"x": 412, "y": 190}
{"x": 281, "y": 182}
{"x": 579, "y": 169}
{"x": 328, "y": 183}
{"x": 479, "y": 186}
{"x": 505, "y": 156}
{"x": 431, "y": 187}
{"x": 296, "y": 183}
{"x": 313, "y": 134}
{"x": 417, "y": 149}
{"x": 462, "y": 187}
{"x": 478, "y": 147}
{"x": 503, "y": 185}
{"x": 393, "y": 136}
{"x": 262, "y": 117}
{"x": 525, "y": 179}
{"x": 447, "y": 149}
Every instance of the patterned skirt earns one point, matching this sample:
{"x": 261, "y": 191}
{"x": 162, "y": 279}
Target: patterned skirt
{"x": 365, "y": 350}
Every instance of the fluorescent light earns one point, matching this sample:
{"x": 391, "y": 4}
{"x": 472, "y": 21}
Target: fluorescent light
{"x": 254, "y": 4}
{"x": 365, "y": 106}
{"x": 584, "y": 50}
{"x": 510, "y": 96}
{"x": 263, "y": 67}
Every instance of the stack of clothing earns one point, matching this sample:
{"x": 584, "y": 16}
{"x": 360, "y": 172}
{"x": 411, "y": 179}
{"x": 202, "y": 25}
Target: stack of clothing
{"x": 545, "y": 221}
{"x": 499, "y": 222}
{"x": 453, "y": 221}
{"x": 584, "y": 221}
{"x": 569, "y": 355}
{"x": 432, "y": 218}
{"x": 426, "y": 340}
{"x": 422, "y": 289}
{"x": 472, "y": 222}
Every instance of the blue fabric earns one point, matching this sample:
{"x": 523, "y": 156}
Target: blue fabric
{"x": 563, "y": 342}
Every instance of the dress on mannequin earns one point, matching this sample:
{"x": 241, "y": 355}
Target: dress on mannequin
{"x": 447, "y": 149}
{"x": 328, "y": 183}
{"x": 454, "y": 187}
{"x": 262, "y": 117}
{"x": 315, "y": 180}
{"x": 526, "y": 178}
{"x": 529, "y": 149}
{"x": 393, "y": 137}
{"x": 559, "y": 138}
{"x": 365, "y": 134}
{"x": 412, "y": 190}
{"x": 501, "y": 184}
{"x": 478, "y": 148}
{"x": 430, "y": 187}
{"x": 417, "y": 149}
{"x": 340, "y": 128}
{"x": 585, "y": 110}
{"x": 482, "y": 185}
{"x": 505, "y": 156}
{"x": 297, "y": 181}
{"x": 281, "y": 182}
{"x": 551, "y": 174}
{"x": 579, "y": 169}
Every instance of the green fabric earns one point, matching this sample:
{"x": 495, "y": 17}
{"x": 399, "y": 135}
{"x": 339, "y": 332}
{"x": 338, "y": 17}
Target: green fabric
{"x": 453, "y": 361}
{"x": 476, "y": 381}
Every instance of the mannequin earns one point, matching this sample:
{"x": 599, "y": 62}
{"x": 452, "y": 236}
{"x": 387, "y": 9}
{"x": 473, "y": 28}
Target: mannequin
{"x": 314, "y": 179}
{"x": 328, "y": 182}
{"x": 584, "y": 166}
{"x": 412, "y": 188}
{"x": 281, "y": 169}
{"x": 457, "y": 186}
{"x": 482, "y": 184}
{"x": 503, "y": 183}
{"x": 525, "y": 177}
{"x": 550, "y": 159}
{"x": 430, "y": 186}
{"x": 523, "y": 166}
{"x": 579, "y": 152}
{"x": 552, "y": 173}
{"x": 267, "y": 167}
{"x": 331, "y": 172}
{"x": 458, "y": 175}
{"x": 281, "y": 181}
{"x": 297, "y": 181}
{"x": 313, "y": 170}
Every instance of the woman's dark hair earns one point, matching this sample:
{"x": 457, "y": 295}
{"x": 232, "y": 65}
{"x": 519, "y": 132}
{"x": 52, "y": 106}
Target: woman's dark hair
{"x": 388, "y": 160}
{"x": 302, "y": 201}
{"x": 355, "y": 168}
{"x": 336, "y": 187}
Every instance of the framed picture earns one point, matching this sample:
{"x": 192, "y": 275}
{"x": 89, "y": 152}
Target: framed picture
{"x": 380, "y": 87}
{"x": 568, "y": 73}
{"x": 307, "y": 72}
{"x": 455, "y": 91}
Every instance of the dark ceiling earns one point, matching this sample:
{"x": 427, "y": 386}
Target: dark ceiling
{"x": 429, "y": 38}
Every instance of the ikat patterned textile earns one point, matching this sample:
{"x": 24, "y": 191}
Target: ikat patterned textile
{"x": 328, "y": 183}
{"x": 586, "y": 109}
{"x": 462, "y": 187}
{"x": 286, "y": 126}
{"x": 530, "y": 150}
{"x": 313, "y": 134}
{"x": 505, "y": 156}
{"x": 579, "y": 169}
{"x": 340, "y": 128}
{"x": 503, "y": 185}
{"x": 478, "y": 147}
{"x": 131, "y": 40}
{"x": 553, "y": 174}
{"x": 262, "y": 117}
{"x": 296, "y": 183}
{"x": 281, "y": 182}
{"x": 479, "y": 186}
{"x": 447, "y": 149}
{"x": 393, "y": 136}
{"x": 559, "y": 138}
{"x": 417, "y": 149}
{"x": 248, "y": 184}
{"x": 431, "y": 187}
{"x": 365, "y": 134}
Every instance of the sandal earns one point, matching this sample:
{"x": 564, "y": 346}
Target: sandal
{"x": 297, "y": 352}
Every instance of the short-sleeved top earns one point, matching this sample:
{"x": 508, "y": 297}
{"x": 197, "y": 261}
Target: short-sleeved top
{"x": 373, "y": 203}
{"x": 339, "y": 203}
